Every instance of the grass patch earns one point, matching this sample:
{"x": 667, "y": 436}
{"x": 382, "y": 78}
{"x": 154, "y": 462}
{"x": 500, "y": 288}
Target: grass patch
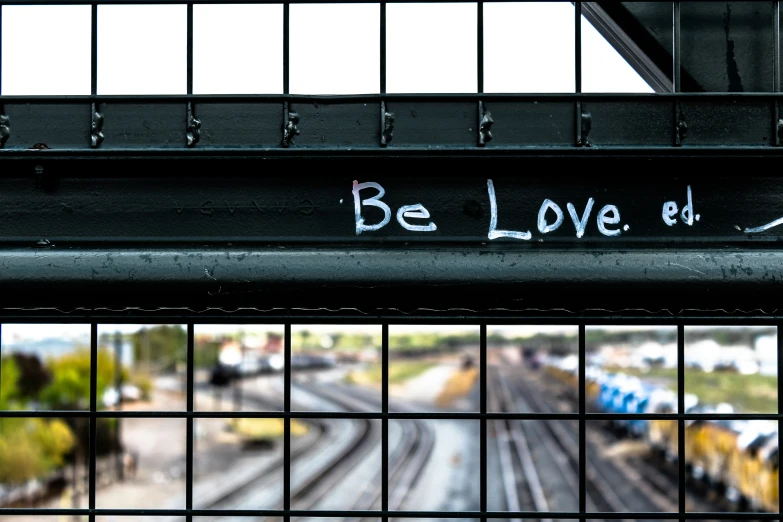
{"x": 255, "y": 430}
{"x": 747, "y": 393}
{"x": 399, "y": 373}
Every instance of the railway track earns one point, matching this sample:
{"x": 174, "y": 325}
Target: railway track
{"x": 310, "y": 490}
{"x": 561, "y": 439}
{"x": 532, "y": 455}
{"x": 659, "y": 481}
{"x": 407, "y": 458}
{"x": 613, "y": 484}
{"x": 519, "y": 476}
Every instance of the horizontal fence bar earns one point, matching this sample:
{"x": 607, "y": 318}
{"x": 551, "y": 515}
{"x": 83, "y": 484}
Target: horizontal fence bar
{"x": 272, "y": 316}
{"x": 391, "y": 415}
{"x": 571, "y": 515}
{"x": 390, "y": 97}
{"x": 197, "y": 2}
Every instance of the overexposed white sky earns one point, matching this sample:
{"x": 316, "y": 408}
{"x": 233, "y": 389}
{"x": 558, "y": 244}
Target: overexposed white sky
{"x": 12, "y": 332}
{"x": 334, "y": 49}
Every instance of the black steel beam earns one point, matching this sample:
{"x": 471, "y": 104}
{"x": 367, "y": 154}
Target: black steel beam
{"x": 351, "y": 125}
{"x": 406, "y": 278}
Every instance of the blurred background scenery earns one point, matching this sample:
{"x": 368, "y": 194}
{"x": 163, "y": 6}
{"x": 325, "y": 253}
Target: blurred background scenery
{"x": 532, "y": 464}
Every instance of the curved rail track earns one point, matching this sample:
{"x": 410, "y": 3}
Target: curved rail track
{"x": 407, "y": 457}
{"x": 538, "y": 460}
{"x": 406, "y": 460}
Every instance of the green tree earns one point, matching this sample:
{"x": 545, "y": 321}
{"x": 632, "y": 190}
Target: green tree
{"x": 9, "y": 377}
{"x": 70, "y": 384}
{"x": 206, "y": 353}
{"x": 29, "y": 447}
{"x": 161, "y": 346}
{"x": 32, "y": 447}
{"x": 69, "y": 388}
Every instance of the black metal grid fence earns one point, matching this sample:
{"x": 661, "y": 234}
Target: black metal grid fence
{"x": 582, "y": 416}
{"x": 179, "y": 125}
{"x": 284, "y": 123}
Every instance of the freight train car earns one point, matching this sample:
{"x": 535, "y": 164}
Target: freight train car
{"x": 737, "y": 460}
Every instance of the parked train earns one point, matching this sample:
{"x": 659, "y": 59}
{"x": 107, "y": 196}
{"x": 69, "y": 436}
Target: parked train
{"x": 737, "y": 459}
{"x": 228, "y": 369}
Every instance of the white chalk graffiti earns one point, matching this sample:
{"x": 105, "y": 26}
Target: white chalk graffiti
{"x": 415, "y": 211}
{"x": 609, "y": 215}
{"x": 550, "y": 215}
{"x": 762, "y": 228}
{"x": 374, "y": 201}
{"x": 670, "y": 209}
{"x": 494, "y": 233}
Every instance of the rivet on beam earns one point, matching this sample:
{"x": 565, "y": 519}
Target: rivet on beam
{"x": 194, "y": 127}
{"x": 96, "y": 127}
{"x": 5, "y": 129}
{"x": 387, "y": 125}
{"x": 485, "y": 124}
{"x": 291, "y": 128}
{"x": 586, "y": 124}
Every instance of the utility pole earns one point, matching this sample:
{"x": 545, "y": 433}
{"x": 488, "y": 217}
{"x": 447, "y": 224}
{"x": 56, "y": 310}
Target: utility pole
{"x": 120, "y": 468}
{"x": 238, "y": 379}
{"x": 147, "y": 352}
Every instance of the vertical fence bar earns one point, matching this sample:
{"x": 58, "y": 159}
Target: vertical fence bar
{"x": 480, "y": 46}
{"x": 582, "y": 424}
{"x": 385, "y": 421}
{"x": 780, "y": 401}
{"x": 382, "y": 123}
{"x": 190, "y": 48}
{"x": 383, "y": 48}
{"x": 680, "y": 420}
{"x": 578, "y": 70}
{"x": 94, "y": 50}
{"x": 1, "y": 52}
{"x": 676, "y": 87}
{"x": 1, "y": 55}
{"x": 96, "y": 123}
{"x": 93, "y": 459}
{"x": 192, "y": 133}
{"x": 483, "y": 423}
{"x": 482, "y": 136}
{"x": 776, "y": 126}
{"x": 287, "y": 420}
{"x": 4, "y": 122}
{"x": 578, "y": 46}
{"x": 189, "y": 448}
{"x": 286, "y": 67}
{"x": 286, "y": 36}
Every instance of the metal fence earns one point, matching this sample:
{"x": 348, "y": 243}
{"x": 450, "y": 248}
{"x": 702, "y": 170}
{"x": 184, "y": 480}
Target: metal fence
{"x": 671, "y": 123}
{"x": 484, "y": 416}
{"x": 701, "y": 114}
